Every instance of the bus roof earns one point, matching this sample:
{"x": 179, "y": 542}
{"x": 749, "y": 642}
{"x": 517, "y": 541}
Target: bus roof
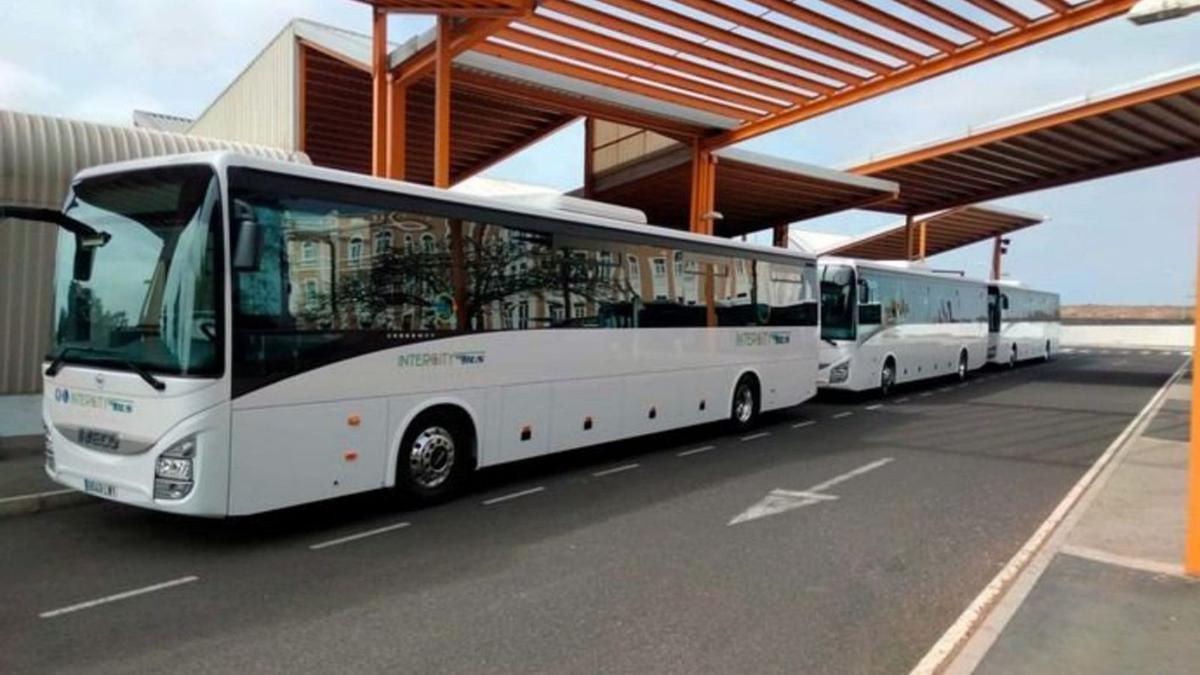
{"x": 899, "y": 267}
{"x": 225, "y": 159}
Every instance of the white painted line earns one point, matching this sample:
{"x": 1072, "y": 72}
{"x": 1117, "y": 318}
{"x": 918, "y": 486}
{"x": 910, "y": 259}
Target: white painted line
{"x": 1031, "y": 555}
{"x": 694, "y": 451}
{"x": 903, "y": 400}
{"x": 1068, "y": 350}
{"x": 1085, "y": 351}
{"x": 119, "y": 596}
{"x": 925, "y": 393}
{"x": 360, "y": 535}
{"x": 842, "y": 414}
{"x": 1185, "y": 353}
{"x": 515, "y": 495}
{"x": 1141, "y": 564}
{"x": 780, "y": 500}
{"x": 37, "y": 495}
{"x": 1146, "y": 352}
{"x": 877, "y": 406}
{"x": 616, "y": 469}
{"x": 806, "y": 423}
{"x": 821, "y": 487}
{"x": 761, "y": 434}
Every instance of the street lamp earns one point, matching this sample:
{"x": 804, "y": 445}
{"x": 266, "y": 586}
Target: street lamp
{"x": 1153, "y": 11}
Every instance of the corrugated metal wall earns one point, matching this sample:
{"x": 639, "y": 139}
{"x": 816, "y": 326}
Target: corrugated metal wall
{"x": 260, "y": 105}
{"x": 38, "y": 157}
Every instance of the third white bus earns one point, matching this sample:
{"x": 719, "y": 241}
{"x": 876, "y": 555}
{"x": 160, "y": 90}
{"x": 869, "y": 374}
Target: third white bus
{"x": 1023, "y": 323}
{"x": 885, "y": 323}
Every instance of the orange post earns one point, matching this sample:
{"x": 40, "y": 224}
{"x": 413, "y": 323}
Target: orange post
{"x": 996, "y": 253}
{"x": 1191, "y": 558}
{"x": 703, "y": 190}
{"x": 441, "y": 104}
{"x": 921, "y": 238}
{"x": 910, "y": 239}
{"x": 379, "y": 92}
{"x": 397, "y": 140}
{"x": 779, "y": 236}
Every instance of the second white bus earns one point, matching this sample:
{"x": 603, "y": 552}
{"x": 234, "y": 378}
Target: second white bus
{"x": 884, "y": 324}
{"x": 1023, "y": 323}
{"x": 235, "y": 335}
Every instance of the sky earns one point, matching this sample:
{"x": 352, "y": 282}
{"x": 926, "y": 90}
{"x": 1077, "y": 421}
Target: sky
{"x": 1128, "y": 239}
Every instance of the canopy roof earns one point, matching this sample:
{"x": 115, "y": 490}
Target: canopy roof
{"x": 746, "y": 67}
{"x": 753, "y": 191}
{"x": 1152, "y": 122}
{"x": 944, "y": 231}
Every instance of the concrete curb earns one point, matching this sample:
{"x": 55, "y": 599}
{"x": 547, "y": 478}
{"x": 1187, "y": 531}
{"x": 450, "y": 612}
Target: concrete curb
{"x": 43, "y": 501}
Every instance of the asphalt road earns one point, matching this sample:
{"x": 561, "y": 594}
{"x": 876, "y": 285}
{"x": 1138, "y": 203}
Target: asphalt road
{"x": 623, "y": 561}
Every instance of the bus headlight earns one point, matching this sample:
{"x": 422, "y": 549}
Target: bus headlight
{"x": 839, "y": 373}
{"x": 173, "y": 470}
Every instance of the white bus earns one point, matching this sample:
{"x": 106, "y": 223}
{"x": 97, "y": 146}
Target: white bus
{"x": 1022, "y": 323}
{"x": 234, "y": 335}
{"x": 884, "y": 324}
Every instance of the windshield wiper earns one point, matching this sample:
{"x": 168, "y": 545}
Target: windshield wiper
{"x": 57, "y": 364}
{"x": 89, "y": 237}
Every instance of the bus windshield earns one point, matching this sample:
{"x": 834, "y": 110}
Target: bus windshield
{"x": 837, "y": 302}
{"x": 150, "y": 301}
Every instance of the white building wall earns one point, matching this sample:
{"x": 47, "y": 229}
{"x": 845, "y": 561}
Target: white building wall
{"x": 260, "y": 106}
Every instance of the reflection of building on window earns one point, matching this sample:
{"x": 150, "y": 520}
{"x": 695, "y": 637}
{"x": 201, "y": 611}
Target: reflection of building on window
{"x": 383, "y": 242}
{"x": 428, "y": 244}
{"x": 356, "y": 248}
{"x": 556, "y": 313}
{"x": 578, "y": 310}
{"x": 604, "y": 265}
{"x": 635, "y": 275}
{"x": 523, "y": 314}
{"x": 308, "y": 251}
{"x": 659, "y": 278}
{"x": 408, "y": 244}
{"x": 311, "y": 299}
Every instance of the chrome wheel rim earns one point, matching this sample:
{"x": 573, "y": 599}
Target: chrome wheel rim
{"x": 887, "y": 379}
{"x": 431, "y": 457}
{"x": 962, "y": 368}
{"x": 743, "y": 404}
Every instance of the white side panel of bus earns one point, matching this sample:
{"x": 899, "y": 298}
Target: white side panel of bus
{"x": 525, "y": 406}
{"x": 578, "y": 402}
{"x": 303, "y": 453}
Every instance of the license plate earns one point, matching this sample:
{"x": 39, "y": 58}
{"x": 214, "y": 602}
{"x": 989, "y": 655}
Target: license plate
{"x": 101, "y": 440}
{"x": 99, "y": 488}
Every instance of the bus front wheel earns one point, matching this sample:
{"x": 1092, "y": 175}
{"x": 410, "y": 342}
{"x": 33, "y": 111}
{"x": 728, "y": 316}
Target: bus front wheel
{"x": 744, "y": 410}
{"x": 435, "y": 456}
{"x": 887, "y": 377}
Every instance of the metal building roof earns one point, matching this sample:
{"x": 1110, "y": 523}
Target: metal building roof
{"x": 144, "y": 119}
{"x": 944, "y": 231}
{"x": 1146, "y": 124}
{"x": 753, "y": 191}
{"x": 39, "y": 154}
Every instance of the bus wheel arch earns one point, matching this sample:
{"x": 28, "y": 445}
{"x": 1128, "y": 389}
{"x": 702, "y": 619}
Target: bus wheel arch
{"x": 745, "y": 400}
{"x": 437, "y": 448}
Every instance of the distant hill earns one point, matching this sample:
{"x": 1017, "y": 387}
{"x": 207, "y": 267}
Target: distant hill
{"x": 1127, "y": 314}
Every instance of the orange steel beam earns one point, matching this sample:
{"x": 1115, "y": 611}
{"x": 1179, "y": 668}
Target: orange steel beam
{"x": 441, "y": 104}
{"x": 573, "y": 32}
{"x": 1042, "y": 29}
{"x": 850, "y": 32}
{"x": 779, "y": 236}
{"x": 722, "y": 36}
{"x": 1059, "y": 6}
{"x": 397, "y": 155}
{"x": 761, "y": 25}
{"x": 670, "y": 41}
{"x": 537, "y": 96}
{"x": 1191, "y": 556}
{"x": 923, "y": 238}
{"x": 379, "y": 83}
{"x": 549, "y": 46}
{"x": 1084, "y": 111}
{"x": 1002, "y": 11}
{"x": 894, "y": 23}
{"x": 958, "y": 22}
{"x": 579, "y": 72}
{"x": 466, "y": 35}
{"x": 997, "y": 245}
{"x": 452, "y": 9}
{"x": 703, "y": 190}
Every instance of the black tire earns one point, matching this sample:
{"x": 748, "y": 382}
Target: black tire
{"x": 743, "y": 409}
{"x": 1046, "y": 355}
{"x": 887, "y": 377}
{"x": 1012, "y": 357}
{"x": 436, "y": 455}
{"x": 964, "y": 366}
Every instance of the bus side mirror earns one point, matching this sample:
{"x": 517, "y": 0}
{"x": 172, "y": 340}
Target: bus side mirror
{"x": 864, "y": 294}
{"x": 1004, "y": 302}
{"x": 247, "y": 250}
{"x": 84, "y": 257}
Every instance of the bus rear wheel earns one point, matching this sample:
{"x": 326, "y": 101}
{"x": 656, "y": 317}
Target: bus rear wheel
{"x": 1012, "y": 357}
{"x": 743, "y": 412}
{"x": 963, "y": 366}
{"x": 435, "y": 457}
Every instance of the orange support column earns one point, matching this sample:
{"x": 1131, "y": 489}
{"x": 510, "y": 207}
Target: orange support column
{"x": 379, "y": 92}
{"x": 910, "y": 239}
{"x": 441, "y": 105}
{"x": 779, "y": 236}
{"x": 996, "y": 252}
{"x": 397, "y": 140}
{"x": 1191, "y": 558}
{"x": 921, "y": 241}
{"x": 704, "y": 173}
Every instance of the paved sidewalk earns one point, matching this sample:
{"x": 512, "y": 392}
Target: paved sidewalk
{"x": 1113, "y": 598}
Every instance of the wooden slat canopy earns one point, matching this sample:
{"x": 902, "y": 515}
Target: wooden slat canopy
{"x": 944, "y": 231}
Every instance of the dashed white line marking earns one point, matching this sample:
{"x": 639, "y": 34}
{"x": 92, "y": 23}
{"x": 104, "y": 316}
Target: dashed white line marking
{"x": 925, "y": 394}
{"x": 903, "y": 400}
{"x": 616, "y": 469}
{"x": 761, "y": 434}
{"x": 695, "y": 451}
{"x": 876, "y": 406}
{"x": 806, "y": 423}
{"x": 842, "y": 414}
{"x": 37, "y": 495}
{"x": 119, "y": 596}
{"x": 514, "y": 495}
{"x": 1146, "y": 352}
{"x": 360, "y": 535}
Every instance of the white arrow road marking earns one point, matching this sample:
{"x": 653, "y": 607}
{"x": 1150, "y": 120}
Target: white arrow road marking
{"x": 780, "y": 500}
